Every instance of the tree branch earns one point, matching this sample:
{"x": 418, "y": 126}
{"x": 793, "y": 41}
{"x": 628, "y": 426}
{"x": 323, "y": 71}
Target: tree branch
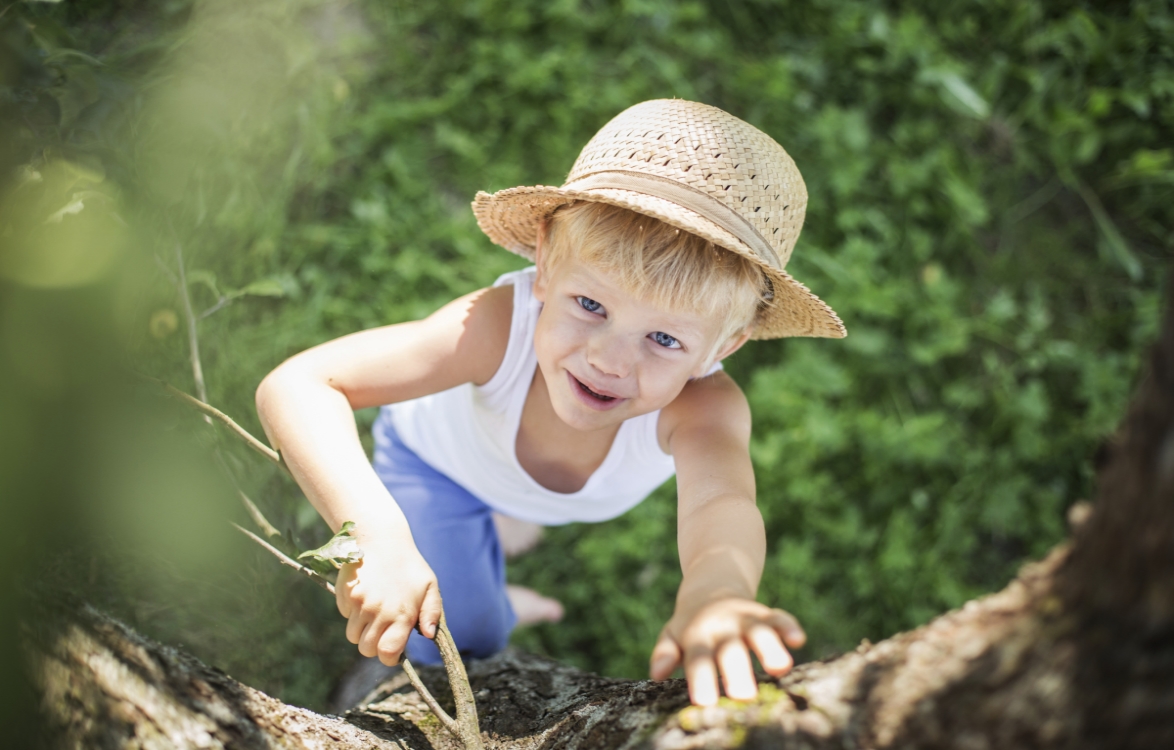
{"x": 465, "y": 727}
{"x": 449, "y": 722}
{"x": 226, "y": 420}
{"x": 286, "y": 560}
{"x": 193, "y": 337}
{"x": 468, "y": 727}
{"x": 262, "y": 523}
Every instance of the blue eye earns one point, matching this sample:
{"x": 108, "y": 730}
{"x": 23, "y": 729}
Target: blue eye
{"x": 589, "y": 304}
{"x": 665, "y": 340}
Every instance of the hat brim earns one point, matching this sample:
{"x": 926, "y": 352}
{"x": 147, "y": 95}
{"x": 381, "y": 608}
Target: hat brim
{"x": 511, "y": 217}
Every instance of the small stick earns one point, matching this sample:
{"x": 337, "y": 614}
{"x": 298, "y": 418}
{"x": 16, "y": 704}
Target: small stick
{"x": 469, "y": 727}
{"x": 268, "y": 529}
{"x": 240, "y": 432}
{"x": 465, "y": 727}
{"x": 193, "y": 337}
{"x": 449, "y": 722}
{"x": 285, "y": 559}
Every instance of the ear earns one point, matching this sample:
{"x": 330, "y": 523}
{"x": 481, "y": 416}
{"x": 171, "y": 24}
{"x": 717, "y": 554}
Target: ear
{"x": 541, "y": 277}
{"x": 733, "y": 344}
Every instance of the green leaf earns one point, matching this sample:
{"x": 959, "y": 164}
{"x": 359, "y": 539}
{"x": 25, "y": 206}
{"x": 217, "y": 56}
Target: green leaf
{"x": 1112, "y": 239}
{"x": 63, "y": 54}
{"x": 261, "y": 288}
{"x": 343, "y": 548}
{"x": 207, "y": 278}
{"x": 959, "y": 94}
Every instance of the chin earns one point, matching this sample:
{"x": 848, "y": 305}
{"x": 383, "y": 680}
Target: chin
{"x": 580, "y": 419}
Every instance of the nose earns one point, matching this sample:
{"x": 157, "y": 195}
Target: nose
{"x": 610, "y": 354}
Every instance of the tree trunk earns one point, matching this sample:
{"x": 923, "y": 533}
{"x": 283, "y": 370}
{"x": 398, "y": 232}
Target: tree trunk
{"x": 1077, "y": 652}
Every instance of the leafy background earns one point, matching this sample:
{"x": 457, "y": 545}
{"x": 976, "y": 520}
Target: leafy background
{"x": 990, "y": 185}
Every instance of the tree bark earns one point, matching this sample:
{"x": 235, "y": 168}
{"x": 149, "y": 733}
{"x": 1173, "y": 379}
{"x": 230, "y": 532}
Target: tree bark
{"x": 1077, "y": 652}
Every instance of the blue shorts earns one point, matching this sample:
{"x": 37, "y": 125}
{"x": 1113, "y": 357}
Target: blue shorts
{"x": 454, "y": 532}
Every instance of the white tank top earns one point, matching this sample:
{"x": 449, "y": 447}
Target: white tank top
{"x": 470, "y": 434}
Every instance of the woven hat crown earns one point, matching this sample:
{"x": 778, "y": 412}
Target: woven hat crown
{"x": 712, "y": 152}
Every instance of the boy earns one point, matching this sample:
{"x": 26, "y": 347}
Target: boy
{"x": 568, "y": 392}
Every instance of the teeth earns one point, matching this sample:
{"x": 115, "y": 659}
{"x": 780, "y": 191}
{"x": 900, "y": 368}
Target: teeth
{"x": 599, "y": 396}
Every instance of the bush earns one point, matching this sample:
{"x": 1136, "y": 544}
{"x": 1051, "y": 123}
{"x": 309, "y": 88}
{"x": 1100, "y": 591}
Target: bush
{"x": 989, "y": 182}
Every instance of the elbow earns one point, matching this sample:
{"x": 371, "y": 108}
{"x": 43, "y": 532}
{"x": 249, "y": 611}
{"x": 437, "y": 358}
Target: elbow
{"x": 266, "y": 394}
{"x": 272, "y": 390}
{"x": 293, "y": 383}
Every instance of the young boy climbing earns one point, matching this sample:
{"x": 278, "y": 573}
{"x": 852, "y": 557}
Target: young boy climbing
{"x": 568, "y": 392}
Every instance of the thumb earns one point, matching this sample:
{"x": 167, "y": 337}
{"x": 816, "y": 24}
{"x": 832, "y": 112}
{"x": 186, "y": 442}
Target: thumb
{"x": 666, "y": 656}
{"x": 342, "y": 590}
{"x": 430, "y": 611}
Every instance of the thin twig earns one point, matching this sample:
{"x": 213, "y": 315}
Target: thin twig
{"x": 468, "y": 727}
{"x": 413, "y": 677}
{"x": 166, "y": 271}
{"x": 268, "y": 529}
{"x": 193, "y": 336}
{"x": 285, "y": 559}
{"x": 465, "y": 727}
{"x": 228, "y": 421}
{"x": 219, "y": 304}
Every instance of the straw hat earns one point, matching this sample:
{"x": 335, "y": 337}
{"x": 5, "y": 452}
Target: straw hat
{"x": 696, "y": 168}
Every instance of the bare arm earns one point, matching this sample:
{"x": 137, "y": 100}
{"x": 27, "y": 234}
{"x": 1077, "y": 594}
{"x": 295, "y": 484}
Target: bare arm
{"x": 720, "y": 535}
{"x": 722, "y": 544}
{"x": 306, "y": 407}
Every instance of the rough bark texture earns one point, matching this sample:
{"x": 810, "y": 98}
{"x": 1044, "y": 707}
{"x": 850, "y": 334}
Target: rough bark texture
{"x": 1077, "y": 652}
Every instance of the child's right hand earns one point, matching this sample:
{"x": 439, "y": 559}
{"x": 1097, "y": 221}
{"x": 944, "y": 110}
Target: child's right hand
{"x": 384, "y": 597}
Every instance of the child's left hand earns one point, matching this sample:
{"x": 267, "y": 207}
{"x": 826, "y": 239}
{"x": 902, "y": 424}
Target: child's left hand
{"x": 717, "y": 637}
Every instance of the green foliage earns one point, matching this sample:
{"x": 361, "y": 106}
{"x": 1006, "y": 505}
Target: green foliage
{"x": 341, "y": 549}
{"x": 989, "y": 189}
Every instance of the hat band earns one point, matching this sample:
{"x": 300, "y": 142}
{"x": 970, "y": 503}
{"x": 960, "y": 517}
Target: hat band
{"x": 685, "y": 196}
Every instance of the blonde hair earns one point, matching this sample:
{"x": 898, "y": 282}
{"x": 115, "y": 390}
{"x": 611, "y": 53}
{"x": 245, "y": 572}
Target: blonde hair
{"x": 670, "y": 267}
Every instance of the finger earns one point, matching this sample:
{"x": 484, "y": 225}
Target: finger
{"x": 393, "y": 641}
{"x": 775, "y": 659}
{"x": 356, "y": 624}
{"x": 430, "y": 610}
{"x": 666, "y": 656}
{"x": 701, "y": 673}
{"x": 369, "y": 640}
{"x": 391, "y": 646}
{"x": 788, "y": 627}
{"x": 737, "y": 673}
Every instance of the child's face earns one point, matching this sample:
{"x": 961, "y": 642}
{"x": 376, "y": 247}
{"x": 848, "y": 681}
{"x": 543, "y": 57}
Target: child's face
{"x": 607, "y": 355}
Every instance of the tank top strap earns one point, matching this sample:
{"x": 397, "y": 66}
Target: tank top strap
{"x": 518, "y": 362}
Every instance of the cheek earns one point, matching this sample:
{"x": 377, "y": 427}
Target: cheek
{"x": 554, "y": 337}
{"x": 663, "y": 381}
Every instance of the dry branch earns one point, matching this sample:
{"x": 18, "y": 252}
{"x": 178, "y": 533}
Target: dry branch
{"x": 288, "y": 561}
{"x": 193, "y": 336}
{"x": 223, "y": 418}
{"x": 464, "y": 727}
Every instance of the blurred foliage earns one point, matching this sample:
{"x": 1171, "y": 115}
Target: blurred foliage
{"x": 989, "y": 180}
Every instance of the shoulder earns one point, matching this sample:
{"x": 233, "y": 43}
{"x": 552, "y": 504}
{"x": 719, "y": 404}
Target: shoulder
{"x": 708, "y": 409}
{"x": 492, "y": 308}
{"x": 479, "y": 327}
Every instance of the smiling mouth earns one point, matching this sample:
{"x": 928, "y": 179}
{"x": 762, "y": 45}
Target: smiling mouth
{"x": 593, "y": 394}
